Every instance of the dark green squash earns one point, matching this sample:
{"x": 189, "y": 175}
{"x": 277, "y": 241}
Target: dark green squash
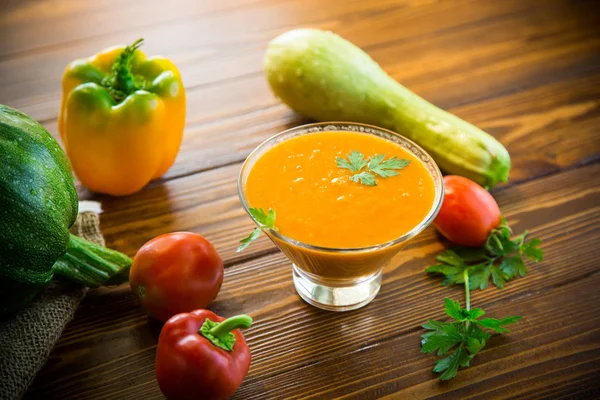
{"x": 38, "y": 205}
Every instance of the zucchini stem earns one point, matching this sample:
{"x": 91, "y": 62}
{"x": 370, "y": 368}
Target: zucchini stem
{"x": 92, "y": 265}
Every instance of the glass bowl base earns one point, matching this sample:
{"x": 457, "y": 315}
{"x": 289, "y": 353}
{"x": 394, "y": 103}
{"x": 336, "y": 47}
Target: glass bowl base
{"x": 336, "y": 298}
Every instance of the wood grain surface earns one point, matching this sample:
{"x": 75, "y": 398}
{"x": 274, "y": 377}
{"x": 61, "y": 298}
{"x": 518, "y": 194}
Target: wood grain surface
{"x": 528, "y": 72}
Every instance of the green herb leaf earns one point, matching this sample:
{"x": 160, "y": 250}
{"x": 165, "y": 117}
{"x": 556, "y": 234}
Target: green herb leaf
{"x": 463, "y": 334}
{"x": 451, "y": 363}
{"x": 470, "y": 254}
{"x": 475, "y": 313}
{"x": 499, "y": 259}
{"x": 498, "y": 325}
{"x": 513, "y": 267}
{"x": 510, "y": 320}
{"x": 442, "y": 341}
{"x": 355, "y": 161}
{"x": 245, "y": 242}
{"x": 387, "y": 168}
{"x": 452, "y": 308}
{"x": 375, "y": 160}
{"x": 450, "y": 257}
{"x": 498, "y": 277}
{"x": 476, "y": 332}
{"x": 531, "y": 251}
{"x": 266, "y": 220}
{"x": 270, "y": 220}
{"x": 376, "y": 164}
{"x": 434, "y": 325}
{"x": 366, "y": 178}
{"x": 453, "y": 274}
{"x": 479, "y": 275}
{"x": 474, "y": 345}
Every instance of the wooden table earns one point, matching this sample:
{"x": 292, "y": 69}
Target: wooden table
{"x": 528, "y": 72}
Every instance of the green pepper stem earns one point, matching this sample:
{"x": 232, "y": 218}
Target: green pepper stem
{"x": 92, "y": 265}
{"x": 121, "y": 82}
{"x": 237, "y": 322}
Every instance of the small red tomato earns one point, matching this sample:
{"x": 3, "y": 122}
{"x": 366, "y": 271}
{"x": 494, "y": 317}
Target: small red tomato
{"x": 174, "y": 273}
{"x": 468, "y": 213}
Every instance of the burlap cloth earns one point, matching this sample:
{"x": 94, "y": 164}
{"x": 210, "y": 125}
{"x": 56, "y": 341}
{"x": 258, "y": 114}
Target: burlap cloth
{"x": 27, "y": 338}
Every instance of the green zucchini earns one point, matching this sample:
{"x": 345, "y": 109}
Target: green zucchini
{"x": 323, "y": 76}
{"x": 38, "y": 205}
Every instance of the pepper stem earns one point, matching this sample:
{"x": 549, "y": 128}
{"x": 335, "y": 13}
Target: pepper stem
{"x": 237, "y": 322}
{"x": 219, "y": 333}
{"x": 121, "y": 82}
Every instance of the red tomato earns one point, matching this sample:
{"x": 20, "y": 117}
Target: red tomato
{"x": 174, "y": 273}
{"x": 468, "y": 213}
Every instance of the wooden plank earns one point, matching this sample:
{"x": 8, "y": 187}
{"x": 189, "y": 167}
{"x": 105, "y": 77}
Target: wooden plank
{"x": 48, "y": 26}
{"x": 538, "y": 358}
{"x": 497, "y": 31}
{"x": 108, "y": 350}
{"x": 34, "y": 26}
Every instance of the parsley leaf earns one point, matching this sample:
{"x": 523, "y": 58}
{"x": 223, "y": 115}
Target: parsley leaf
{"x": 498, "y": 325}
{"x": 475, "y": 313}
{"x": 474, "y": 345}
{"x": 376, "y": 164}
{"x": 387, "y": 168}
{"x": 442, "y": 340}
{"x": 479, "y": 275}
{"x": 366, "y": 178}
{"x": 470, "y": 254}
{"x": 498, "y": 277}
{"x": 450, "y": 257}
{"x": 433, "y": 325}
{"x": 245, "y": 242}
{"x": 450, "y": 364}
{"x": 452, "y": 309}
{"x": 265, "y": 220}
{"x": 355, "y": 162}
{"x": 531, "y": 251}
{"x": 463, "y": 334}
{"x": 513, "y": 267}
{"x": 477, "y": 333}
{"x": 499, "y": 259}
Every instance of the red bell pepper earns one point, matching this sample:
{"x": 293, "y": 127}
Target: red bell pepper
{"x": 202, "y": 356}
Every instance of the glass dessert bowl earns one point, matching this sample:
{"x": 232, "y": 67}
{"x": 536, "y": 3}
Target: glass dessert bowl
{"x": 348, "y": 197}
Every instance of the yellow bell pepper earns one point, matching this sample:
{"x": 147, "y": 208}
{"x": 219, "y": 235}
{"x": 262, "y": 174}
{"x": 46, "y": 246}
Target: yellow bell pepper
{"x": 121, "y": 118}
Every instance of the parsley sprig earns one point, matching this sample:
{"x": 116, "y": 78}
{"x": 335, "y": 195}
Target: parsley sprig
{"x": 501, "y": 259}
{"x": 474, "y": 267}
{"x": 377, "y": 165}
{"x": 463, "y": 334}
{"x": 266, "y": 220}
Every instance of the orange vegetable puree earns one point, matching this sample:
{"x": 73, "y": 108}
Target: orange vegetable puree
{"x": 318, "y": 204}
